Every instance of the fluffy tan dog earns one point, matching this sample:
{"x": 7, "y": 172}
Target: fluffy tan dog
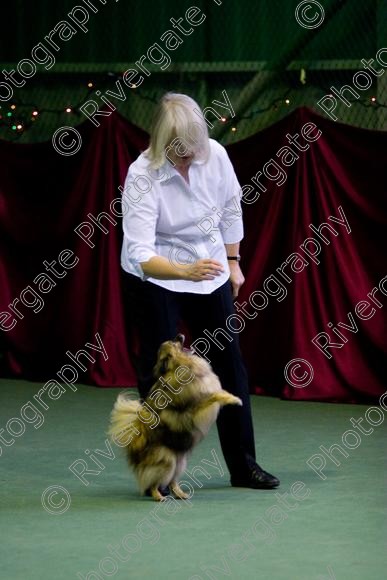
{"x": 159, "y": 433}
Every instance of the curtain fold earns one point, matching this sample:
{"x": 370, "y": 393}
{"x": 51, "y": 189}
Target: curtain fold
{"x": 45, "y": 197}
{"x": 344, "y": 167}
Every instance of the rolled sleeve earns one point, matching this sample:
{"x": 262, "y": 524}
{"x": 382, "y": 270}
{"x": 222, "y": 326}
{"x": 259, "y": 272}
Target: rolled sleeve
{"x": 231, "y": 222}
{"x": 139, "y": 225}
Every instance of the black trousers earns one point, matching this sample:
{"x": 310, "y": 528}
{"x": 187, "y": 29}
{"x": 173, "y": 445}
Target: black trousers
{"x": 155, "y": 314}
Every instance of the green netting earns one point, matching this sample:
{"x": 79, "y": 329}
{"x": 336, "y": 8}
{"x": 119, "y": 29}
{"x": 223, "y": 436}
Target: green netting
{"x": 267, "y": 60}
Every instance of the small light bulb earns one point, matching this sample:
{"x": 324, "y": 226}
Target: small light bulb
{"x": 19, "y": 127}
{"x": 233, "y": 129}
{"x": 373, "y": 99}
{"x": 69, "y": 110}
{"x": 13, "y": 107}
{"x": 223, "y": 119}
{"x": 287, "y": 101}
{"x": 35, "y": 113}
{"x": 90, "y": 85}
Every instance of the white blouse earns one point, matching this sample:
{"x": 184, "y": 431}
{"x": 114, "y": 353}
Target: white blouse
{"x": 166, "y": 216}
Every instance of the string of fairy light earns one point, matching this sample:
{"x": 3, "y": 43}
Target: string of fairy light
{"x": 18, "y": 117}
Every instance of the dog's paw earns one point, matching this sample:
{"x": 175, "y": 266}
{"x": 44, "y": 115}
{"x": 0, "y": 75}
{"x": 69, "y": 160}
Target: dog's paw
{"x": 232, "y": 400}
{"x": 178, "y": 492}
{"x": 157, "y": 496}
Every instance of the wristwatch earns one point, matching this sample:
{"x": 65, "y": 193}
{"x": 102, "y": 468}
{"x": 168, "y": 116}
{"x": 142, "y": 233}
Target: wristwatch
{"x": 237, "y": 258}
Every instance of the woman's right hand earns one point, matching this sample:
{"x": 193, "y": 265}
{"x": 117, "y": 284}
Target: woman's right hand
{"x": 204, "y": 269}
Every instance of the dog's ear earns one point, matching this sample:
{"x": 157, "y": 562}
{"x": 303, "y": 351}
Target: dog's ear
{"x": 163, "y": 365}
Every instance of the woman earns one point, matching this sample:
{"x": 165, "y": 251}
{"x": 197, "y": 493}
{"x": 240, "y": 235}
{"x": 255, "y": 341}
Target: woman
{"x": 180, "y": 254}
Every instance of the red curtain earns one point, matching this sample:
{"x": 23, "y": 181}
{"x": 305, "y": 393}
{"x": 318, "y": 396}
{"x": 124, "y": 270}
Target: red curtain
{"x": 44, "y": 196}
{"x": 345, "y": 167}
{"x": 339, "y": 175}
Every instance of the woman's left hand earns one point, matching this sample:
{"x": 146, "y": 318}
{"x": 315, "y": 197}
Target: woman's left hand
{"x": 236, "y": 278}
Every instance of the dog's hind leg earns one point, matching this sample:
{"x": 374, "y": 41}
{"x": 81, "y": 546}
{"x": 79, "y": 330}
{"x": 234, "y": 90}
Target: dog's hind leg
{"x": 181, "y": 464}
{"x": 177, "y": 491}
{"x": 157, "y": 496}
{"x": 156, "y": 469}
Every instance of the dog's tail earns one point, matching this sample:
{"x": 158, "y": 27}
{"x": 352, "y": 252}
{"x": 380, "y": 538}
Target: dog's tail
{"x": 124, "y": 422}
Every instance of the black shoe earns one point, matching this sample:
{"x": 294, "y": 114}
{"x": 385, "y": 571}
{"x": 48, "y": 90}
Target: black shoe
{"x": 258, "y": 479}
{"x": 163, "y": 490}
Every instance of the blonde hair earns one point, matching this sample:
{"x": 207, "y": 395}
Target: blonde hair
{"x": 178, "y": 122}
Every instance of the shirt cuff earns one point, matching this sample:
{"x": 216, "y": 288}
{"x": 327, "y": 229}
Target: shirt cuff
{"x": 143, "y": 256}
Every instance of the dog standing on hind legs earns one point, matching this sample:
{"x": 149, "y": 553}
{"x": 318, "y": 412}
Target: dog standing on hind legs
{"x": 160, "y": 433}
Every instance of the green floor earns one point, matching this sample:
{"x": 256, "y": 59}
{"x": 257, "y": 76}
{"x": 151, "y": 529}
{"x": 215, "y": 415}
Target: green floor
{"x": 335, "y": 529}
